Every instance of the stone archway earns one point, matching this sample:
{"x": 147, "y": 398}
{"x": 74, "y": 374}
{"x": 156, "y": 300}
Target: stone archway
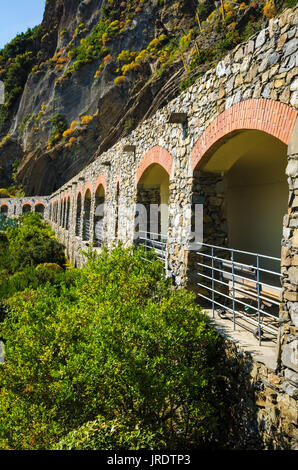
{"x": 153, "y": 177}
{"x": 26, "y": 207}
{"x": 240, "y": 178}
{"x": 40, "y": 208}
{"x": 240, "y": 154}
{"x": 157, "y": 155}
{"x": 98, "y": 217}
{"x": 78, "y": 214}
{"x": 271, "y": 117}
{"x": 4, "y": 210}
{"x": 87, "y": 214}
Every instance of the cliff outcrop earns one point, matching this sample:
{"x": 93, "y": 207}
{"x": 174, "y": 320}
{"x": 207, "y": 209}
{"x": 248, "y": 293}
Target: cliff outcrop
{"x": 94, "y": 69}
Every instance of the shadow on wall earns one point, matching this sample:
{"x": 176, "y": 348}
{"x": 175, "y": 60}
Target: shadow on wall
{"x": 253, "y": 418}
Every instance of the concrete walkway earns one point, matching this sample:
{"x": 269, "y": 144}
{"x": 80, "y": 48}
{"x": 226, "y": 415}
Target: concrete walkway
{"x": 266, "y": 354}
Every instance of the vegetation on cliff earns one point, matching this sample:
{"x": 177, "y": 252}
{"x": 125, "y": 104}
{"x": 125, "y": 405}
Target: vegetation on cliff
{"x": 16, "y": 62}
{"x": 109, "y": 63}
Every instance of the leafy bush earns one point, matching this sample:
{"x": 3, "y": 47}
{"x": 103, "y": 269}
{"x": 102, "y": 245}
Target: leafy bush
{"x": 6, "y": 222}
{"x": 121, "y": 342}
{"x": 85, "y": 120}
{"x": 24, "y": 245}
{"x": 59, "y": 126}
{"x": 111, "y": 435}
{"x": 33, "y": 243}
{"x": 291, "y": 3}
{"x": 120, "y": 80}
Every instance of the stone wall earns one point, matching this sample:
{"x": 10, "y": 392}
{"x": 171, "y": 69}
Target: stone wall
{"x": 289, "y": 263}
{"x": 260, "y": 412}
{"x": 254, "y": 87}
{"x": 15, "y": 205}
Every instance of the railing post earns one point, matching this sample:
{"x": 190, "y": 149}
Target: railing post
{"x": 212, "y": 254}
{"x": 233, "y": 290}
{"x": 259, "y": 300}
{"x": 166, "y": 261}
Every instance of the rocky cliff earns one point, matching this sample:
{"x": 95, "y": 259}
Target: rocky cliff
{"x": 94, "y": 69}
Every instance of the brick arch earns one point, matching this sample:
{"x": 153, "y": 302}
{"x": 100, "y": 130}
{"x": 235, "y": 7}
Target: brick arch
{"x": 100, "y": 181}
{"x": 88, "y": 186}
{"x": 4, "y": 204}
{"x": 27, "y": 203}
{"x": 39, "y": 203}
{"x": 272, "y": 117}
{"x": 158, "y": 155}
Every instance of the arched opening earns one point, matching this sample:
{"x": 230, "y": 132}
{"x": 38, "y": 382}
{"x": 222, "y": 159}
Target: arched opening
{"x": 63, "y": 212}
{"x": 27, "y": 208}
{"x": 39, "y": 208}
{"x": 99, "y": 215}
{"x": 152, "y": 203}
{"x": 243, "y": 188}
{"x": 78, "y": 215}
{"x": 117, "y": 212}
{"x": 67, "y": 213}
{"x": 56, "y": 212}
{"x": 4, "y": 211}
{"x": 86, "y": 216}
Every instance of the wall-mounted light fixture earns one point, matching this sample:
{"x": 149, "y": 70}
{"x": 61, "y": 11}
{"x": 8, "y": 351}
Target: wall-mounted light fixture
{"x": 130, "y": 149}
{"x": 179, "y": 118}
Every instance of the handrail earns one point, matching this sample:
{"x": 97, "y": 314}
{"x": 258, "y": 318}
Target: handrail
{"x": 159, "y": 247}
{"x": 244, "y": 292}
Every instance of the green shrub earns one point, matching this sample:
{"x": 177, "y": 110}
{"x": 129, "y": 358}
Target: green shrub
{"x": 44, "y": 267}
{"x": 121, "y": 342}
{"x": 32, "y": 243}
{"x": 101, "y": 434}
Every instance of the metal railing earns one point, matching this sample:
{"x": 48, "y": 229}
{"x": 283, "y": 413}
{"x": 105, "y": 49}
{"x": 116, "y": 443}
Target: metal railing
{"x": 241, "y": 286}
{"x": 78, "y": 225}
{"x": 156, "y": 242}
{"x": 98, "y": 232}
{"x": 86, "y": 227}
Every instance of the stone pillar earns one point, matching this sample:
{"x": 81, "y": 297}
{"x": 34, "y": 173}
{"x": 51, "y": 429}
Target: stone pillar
{"x": 92, "y": 211}
{"x": 209, "y": 189}
{"x": 73, "y": 210}
{"x": 127, "y": 201}
{"x": 180, "y": 202}
{"x": 289, "y": 269}
{"x": 110, "y": 216}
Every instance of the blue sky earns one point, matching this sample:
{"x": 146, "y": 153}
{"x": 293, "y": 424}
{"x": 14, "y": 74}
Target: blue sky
{"x": 16, "y": 16}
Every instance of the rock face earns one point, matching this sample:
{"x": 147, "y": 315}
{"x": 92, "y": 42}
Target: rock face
{"x": 114, "y": 109}
{"x": 263, "y": 401}
{"x": 76, "y": 59}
